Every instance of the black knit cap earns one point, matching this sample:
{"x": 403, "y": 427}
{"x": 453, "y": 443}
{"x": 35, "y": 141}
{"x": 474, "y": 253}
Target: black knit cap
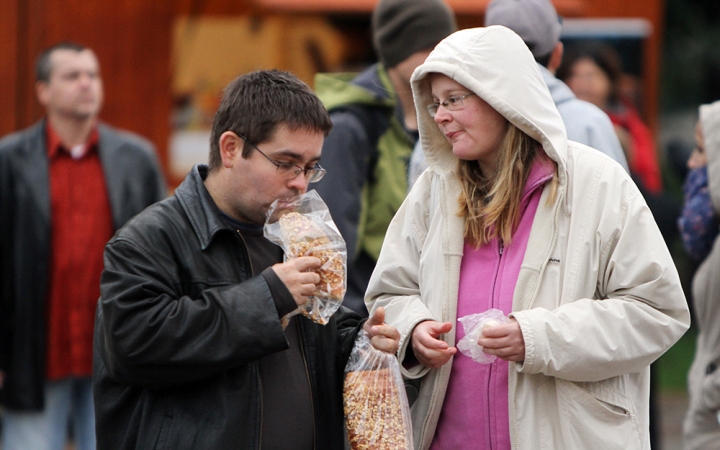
{"x": 403, "y": 27}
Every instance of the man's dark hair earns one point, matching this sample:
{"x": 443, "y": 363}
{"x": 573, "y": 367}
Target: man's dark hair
{"x": 43, "y": 65}
{"x": 255, "y": 104}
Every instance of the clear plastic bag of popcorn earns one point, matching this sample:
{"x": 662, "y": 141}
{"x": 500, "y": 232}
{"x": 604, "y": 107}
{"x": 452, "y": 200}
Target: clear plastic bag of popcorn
{"x": 473, "y": 325}
{"x": 303, "y": 226}
{"x": 377, "y": 413}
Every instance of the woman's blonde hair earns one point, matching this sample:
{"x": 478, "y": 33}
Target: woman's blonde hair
{"x": 490, "y": 203}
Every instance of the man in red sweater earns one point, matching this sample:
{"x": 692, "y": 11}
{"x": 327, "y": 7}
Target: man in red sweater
{"x": 67, "y": 184}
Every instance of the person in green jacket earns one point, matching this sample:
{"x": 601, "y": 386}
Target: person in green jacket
{"x": 374, "y": 131}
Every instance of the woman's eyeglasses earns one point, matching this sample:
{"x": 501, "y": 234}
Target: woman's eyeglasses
{"x": 452, "y": 103}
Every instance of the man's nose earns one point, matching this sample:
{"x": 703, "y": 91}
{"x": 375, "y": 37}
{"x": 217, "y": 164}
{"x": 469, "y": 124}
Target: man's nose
{"x": 299, "y": 183}
{"x": 86, "y": 79}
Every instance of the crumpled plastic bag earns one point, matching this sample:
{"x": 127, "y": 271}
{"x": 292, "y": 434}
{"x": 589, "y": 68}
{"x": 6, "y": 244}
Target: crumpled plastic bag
{"x": 303, "y": 227}
{"x": 377, "y": 413}
{"x": 473, "y": 324}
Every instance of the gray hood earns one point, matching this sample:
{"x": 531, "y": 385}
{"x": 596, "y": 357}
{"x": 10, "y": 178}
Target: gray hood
{"x": 495, "y": 64}
{"x": 710, "y": 120}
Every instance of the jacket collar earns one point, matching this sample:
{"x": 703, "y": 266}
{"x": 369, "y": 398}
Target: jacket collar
{"x": 55, "y": 145}
{"x": 200, "y": 208}
{"x": 559, "y": 91}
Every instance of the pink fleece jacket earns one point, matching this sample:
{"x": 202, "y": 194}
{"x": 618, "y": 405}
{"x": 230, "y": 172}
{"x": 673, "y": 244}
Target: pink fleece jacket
{"x": 475, "y": 410}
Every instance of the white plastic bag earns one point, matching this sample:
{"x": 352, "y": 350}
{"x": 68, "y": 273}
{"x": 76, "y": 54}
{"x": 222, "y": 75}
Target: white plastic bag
{"x": 377, "y": 413}
{"x": 473, "y": 324}
{"x": 303, "y": 227}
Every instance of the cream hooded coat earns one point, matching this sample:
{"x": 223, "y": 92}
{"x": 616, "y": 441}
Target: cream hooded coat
{"x": 598, "y": 298}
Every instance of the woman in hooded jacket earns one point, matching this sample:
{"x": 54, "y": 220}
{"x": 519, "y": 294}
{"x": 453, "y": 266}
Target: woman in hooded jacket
{"x": 511, "y": 215}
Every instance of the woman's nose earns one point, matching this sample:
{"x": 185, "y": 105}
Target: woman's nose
{"x": 442, "y": 114}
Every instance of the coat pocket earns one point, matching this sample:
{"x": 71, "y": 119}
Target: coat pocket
{"x": 582, "y": 420}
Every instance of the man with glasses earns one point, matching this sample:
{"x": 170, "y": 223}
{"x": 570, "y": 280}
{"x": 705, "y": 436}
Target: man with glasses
{"x": 189, "y": 348}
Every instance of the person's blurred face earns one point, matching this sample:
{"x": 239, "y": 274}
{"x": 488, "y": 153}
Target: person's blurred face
{"x": 75, "y": 88}
{"x": 588, "y": 81}
{"x": 406, "y": 68}
{"x": 475, "y": 130}
{"x": 254, "y": 183}
{"x": 698, "y": 158}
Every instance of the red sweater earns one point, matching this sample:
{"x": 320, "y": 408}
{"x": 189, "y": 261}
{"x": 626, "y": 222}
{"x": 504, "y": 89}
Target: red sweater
{"x": 81, "y": 224}
{"x": 643, "y": 161}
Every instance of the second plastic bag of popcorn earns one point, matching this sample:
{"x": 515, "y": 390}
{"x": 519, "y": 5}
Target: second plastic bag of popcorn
{"x": 377, "y": 414}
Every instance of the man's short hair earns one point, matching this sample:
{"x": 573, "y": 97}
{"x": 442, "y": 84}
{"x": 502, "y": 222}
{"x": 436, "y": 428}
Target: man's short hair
{"x": 255, "y": 104}
{"x": 43, "y": 65}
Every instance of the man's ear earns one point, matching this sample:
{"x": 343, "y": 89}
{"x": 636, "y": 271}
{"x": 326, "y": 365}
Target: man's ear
{"x": 556, "y": 58}
{"x": 231, "y": 146}
{"x": 41, "y": 92}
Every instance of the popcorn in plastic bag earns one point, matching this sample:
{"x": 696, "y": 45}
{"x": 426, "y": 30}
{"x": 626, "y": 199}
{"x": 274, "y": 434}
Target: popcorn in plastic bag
{"x": 303, "y": 227}
{"x": 377, "y": 413}
{"x": 474, "y": 324}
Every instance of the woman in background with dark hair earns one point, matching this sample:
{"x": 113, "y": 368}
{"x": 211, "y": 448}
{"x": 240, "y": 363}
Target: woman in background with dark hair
{"x": 593, "y": 71}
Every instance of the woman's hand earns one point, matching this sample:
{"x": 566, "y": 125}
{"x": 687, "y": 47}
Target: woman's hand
{"x": 383, "y": 337}
{"x": 504, "y": 341}
{"x": 429, "y": 350}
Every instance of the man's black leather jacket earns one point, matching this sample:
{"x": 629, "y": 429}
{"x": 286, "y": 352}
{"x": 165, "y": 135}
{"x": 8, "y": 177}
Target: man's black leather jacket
{"x": 180, "y": 328}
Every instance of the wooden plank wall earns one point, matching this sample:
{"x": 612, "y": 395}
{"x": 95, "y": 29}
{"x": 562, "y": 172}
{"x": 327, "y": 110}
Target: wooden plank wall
{"x": 132, "y": 39}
